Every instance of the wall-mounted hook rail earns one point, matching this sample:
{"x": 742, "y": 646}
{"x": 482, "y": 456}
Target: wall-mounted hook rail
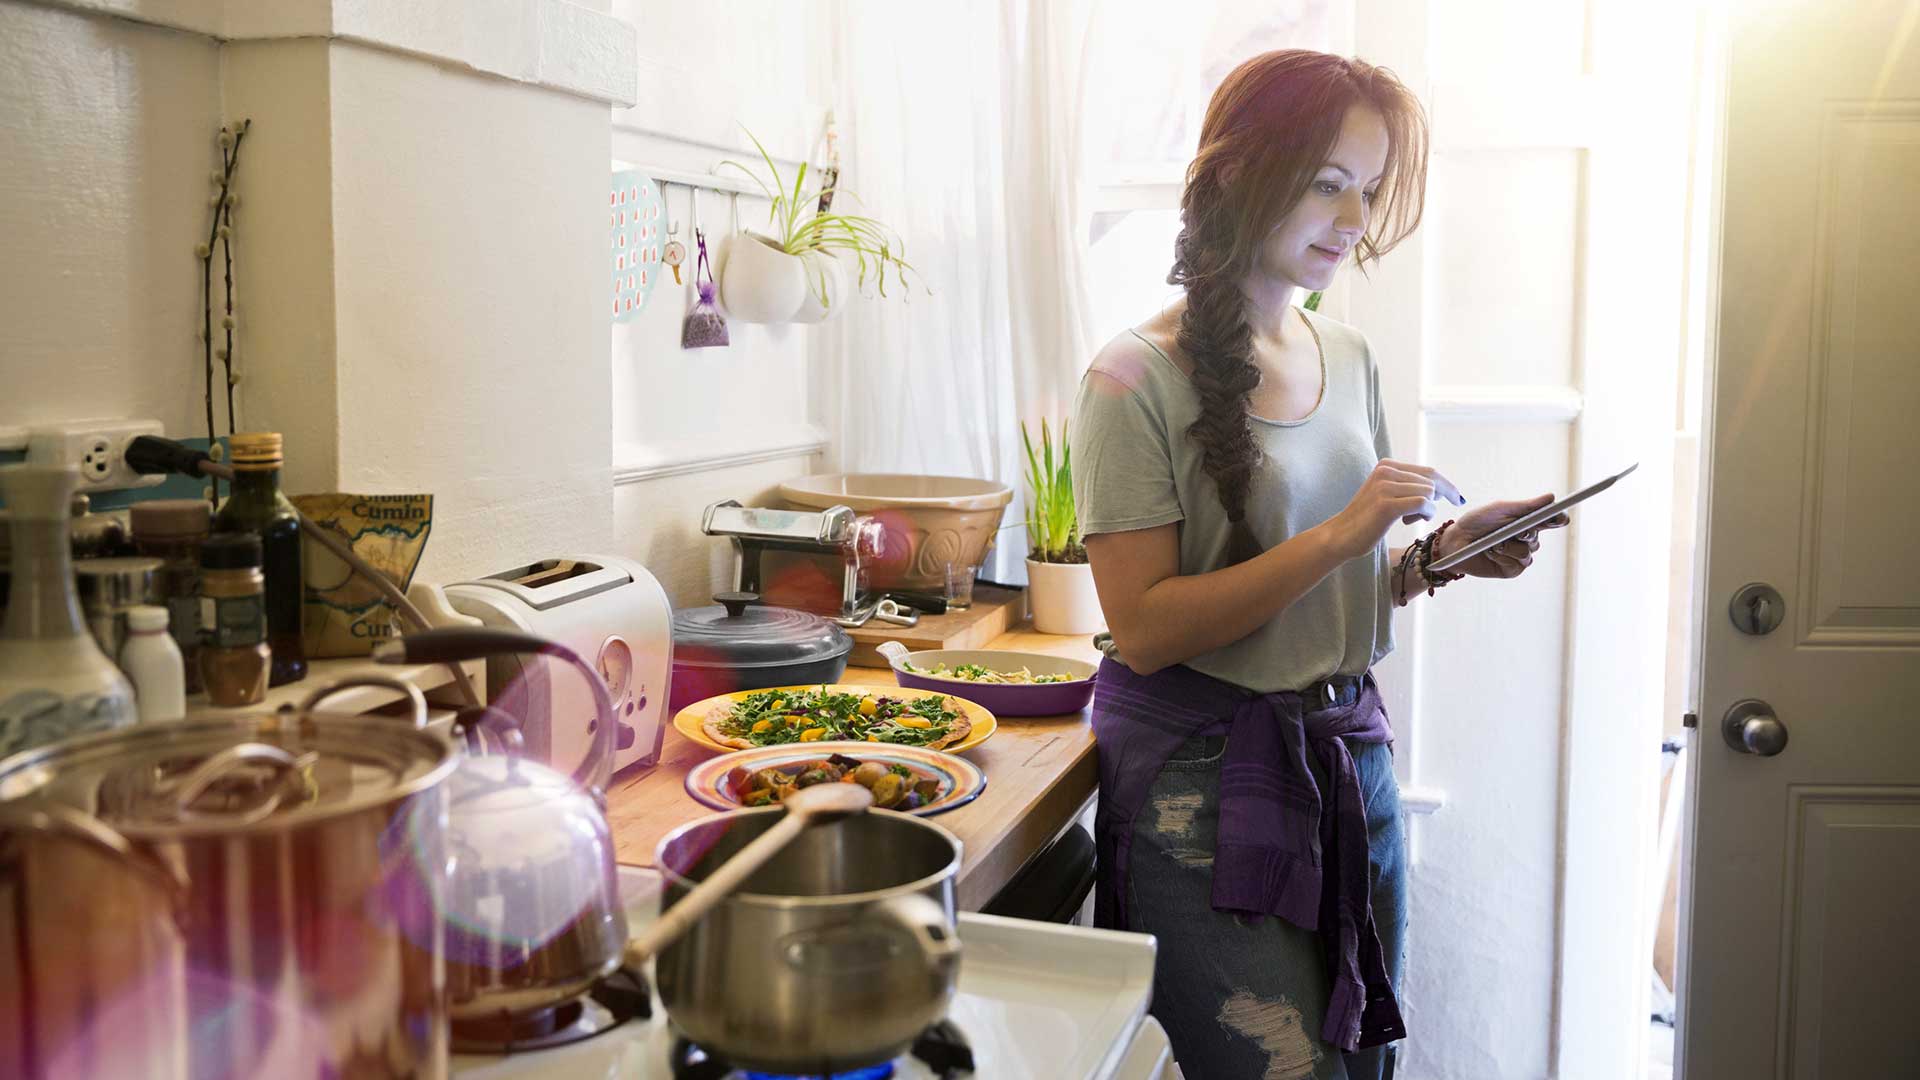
{"x": 732, "y": 185}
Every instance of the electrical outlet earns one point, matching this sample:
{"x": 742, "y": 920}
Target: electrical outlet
{"x": 98, "y": 448}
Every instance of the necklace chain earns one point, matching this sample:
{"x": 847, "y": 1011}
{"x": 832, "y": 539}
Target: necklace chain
{"x": 1321, "y": 349}
{"x": 1320, "y": 398}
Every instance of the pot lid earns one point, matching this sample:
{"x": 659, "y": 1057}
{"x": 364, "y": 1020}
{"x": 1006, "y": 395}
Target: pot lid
{"x": 737, "y": 632}
{"x": 231, "y": 774}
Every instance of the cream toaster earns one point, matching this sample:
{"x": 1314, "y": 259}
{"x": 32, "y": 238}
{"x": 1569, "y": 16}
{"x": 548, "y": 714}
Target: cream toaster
{"x": 613, "y": 613}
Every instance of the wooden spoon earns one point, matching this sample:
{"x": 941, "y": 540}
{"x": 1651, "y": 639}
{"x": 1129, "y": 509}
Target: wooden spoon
{"x": 805, "y": 808}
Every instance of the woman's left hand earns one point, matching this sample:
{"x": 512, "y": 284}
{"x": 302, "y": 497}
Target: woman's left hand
{"x": 1504, "y": 560}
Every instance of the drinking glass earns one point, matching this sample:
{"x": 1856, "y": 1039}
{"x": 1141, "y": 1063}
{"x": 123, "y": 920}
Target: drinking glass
{"x": 959, "y": 585}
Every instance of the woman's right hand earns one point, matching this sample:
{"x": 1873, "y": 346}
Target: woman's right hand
{"x": 1394, "y": 491}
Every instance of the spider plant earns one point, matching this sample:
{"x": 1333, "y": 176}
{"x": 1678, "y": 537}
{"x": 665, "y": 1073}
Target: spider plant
{"x": 799, "y": 227}
{"x": 1053, "y": 531}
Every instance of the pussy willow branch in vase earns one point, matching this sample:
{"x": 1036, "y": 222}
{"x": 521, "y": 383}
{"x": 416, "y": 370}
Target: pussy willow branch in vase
{"x": 220, "y": 232}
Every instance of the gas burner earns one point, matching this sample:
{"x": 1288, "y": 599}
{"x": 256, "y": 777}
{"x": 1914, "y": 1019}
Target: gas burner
{"x": 515, "y": 1031}
{"x": 941, "y": 1047}
{"x": 611, "y": 1002}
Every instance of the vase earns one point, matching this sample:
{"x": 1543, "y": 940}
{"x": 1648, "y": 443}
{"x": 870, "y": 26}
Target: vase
{"x": 1063, "y": 598}
{"x": 826, "y": 292}
{"x": 760, "y": 283}
{"x": 54, "y": 680}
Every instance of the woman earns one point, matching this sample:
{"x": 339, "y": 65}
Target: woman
{"x": 1235, "y": 489}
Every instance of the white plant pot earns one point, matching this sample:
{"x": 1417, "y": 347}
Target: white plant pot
{"x": 761, "y": 283}
{"x": 826, "y": 292}
{"x": 1063, "y": 598}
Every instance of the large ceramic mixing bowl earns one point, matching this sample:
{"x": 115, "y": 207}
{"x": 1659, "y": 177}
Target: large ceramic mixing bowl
{"x": 927, "y": 521}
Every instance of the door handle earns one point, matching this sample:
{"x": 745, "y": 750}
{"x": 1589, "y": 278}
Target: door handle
{"x": 1751, "y": 728}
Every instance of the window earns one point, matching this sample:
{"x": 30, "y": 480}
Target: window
{"x": 1148, "y": 81}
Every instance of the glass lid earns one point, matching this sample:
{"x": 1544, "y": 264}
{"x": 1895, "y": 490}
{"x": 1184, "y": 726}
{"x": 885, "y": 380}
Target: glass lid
{"x": 231, "y": 774}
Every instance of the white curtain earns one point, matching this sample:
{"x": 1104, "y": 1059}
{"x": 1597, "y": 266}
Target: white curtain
{"x": 960, "y": 128}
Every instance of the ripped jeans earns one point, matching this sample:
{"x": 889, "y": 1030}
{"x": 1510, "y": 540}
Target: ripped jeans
{"x": 1244, "y": 999}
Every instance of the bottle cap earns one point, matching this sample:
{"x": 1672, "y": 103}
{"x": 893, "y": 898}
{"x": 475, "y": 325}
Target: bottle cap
{"x": 230, "y": 551}
{"x": 158, "y": 519}
{"x": 146, "y": 618}
{"x": 256, "y": 449}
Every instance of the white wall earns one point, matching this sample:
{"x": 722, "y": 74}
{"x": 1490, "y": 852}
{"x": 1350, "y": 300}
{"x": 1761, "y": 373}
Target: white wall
{"x": 420, "y": 259}
{"x": 691, "y": 428}
{"x": 283, "y": 237}
{"x": 1526, "y": 336}
{"x": 470, "y": 226}
{"x": 106, "y": 143}
{"x": 420, "y": 246}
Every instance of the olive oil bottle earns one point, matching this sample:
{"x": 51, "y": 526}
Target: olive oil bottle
{"x": 258, "y": 506}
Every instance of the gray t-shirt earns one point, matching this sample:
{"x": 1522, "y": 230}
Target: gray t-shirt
{"x": 1135, "y": 468}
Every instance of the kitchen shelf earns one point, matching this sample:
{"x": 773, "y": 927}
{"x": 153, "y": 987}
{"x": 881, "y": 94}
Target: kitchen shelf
{"x": 427, "y": 677}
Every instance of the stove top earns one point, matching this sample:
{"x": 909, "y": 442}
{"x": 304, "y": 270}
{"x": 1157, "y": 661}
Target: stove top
{"x": 647, "y": 1049}
{"x": 1035, "y": 1002}
{"x": 941, "y": 1050}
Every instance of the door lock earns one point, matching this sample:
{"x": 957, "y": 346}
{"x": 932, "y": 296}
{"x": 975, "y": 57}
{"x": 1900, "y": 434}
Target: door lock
{"x": 1751, "y": 728}
{"x": 1757, "y": 609}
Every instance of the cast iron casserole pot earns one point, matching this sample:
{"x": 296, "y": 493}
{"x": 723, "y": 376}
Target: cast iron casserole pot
{"x": 740, "y": 644}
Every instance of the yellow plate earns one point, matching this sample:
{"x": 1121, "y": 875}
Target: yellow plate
{"x": 688, "y": 720}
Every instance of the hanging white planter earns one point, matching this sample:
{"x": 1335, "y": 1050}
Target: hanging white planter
{"x": 1063, "y": 598}
{"x": 827, "y": 293}
{"x": 760, "y": 283}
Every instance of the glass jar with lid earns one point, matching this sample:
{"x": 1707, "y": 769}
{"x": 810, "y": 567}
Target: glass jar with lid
{"x": 172, "y": 531}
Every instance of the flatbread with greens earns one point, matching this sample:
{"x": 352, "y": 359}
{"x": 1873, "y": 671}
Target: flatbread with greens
{"x": 779, "y": 717}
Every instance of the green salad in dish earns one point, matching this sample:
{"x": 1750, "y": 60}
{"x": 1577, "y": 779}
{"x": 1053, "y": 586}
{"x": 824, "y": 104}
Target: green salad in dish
{"x": 778, "y": 717}
{"x": 976, "y": 673}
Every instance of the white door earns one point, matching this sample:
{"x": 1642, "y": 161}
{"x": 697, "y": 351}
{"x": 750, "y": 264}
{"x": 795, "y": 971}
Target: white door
{"x": 1804, "y": 945}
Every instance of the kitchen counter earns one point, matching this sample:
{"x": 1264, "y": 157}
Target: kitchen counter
{"x": 1040, "y": 775}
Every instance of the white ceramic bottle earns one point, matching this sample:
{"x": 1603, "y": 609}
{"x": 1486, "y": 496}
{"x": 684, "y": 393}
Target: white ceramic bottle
{"x": 153, "y": 662}
{"x": 54, "y": 681}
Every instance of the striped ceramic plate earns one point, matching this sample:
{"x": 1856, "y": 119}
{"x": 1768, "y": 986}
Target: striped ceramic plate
{"x": 716, "y": 782}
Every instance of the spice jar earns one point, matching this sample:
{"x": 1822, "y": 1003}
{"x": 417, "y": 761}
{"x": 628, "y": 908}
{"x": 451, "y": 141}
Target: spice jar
{"x": 172, "y": 531}
{"x": 234, "y": 659}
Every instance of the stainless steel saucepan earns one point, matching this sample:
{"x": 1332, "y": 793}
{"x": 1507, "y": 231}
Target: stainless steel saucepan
{"x": 834, "y": 955}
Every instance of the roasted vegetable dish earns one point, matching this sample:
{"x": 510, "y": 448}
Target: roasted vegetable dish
{"x": 778, "y": 717}
{"x": 976, "y": 673}
{"x": 894, "y": 786}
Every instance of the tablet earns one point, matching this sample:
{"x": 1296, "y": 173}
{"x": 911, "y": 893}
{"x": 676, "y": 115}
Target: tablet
{"x": 1519, "y": 525}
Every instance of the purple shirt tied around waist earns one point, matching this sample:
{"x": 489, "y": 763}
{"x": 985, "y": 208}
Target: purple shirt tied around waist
{"x": 1284, "y": 847}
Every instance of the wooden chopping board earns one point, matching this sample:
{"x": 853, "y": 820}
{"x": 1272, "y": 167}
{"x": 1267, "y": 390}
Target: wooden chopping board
{"x": 995, "y": 610}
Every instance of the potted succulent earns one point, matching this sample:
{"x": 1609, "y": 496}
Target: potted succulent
{"x": 794, "y": 274}
{"x": 1059, "y": 579}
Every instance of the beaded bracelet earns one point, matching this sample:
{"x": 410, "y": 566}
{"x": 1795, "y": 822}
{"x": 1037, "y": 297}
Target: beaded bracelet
{"x": 1418, "y": 556}
{"x": 1406, "y": 563}
{"x": 1434, "y": 578}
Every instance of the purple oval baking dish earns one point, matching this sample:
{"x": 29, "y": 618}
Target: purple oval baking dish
{"x": 1000, "y": 699}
